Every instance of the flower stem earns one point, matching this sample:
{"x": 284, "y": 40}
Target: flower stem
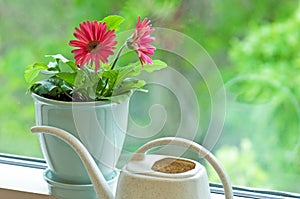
{"x": 117, "y": 57}
{"x": 113, "y": 65}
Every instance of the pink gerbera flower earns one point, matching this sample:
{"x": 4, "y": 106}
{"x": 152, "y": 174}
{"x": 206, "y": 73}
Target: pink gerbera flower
{"x": 141, "y": 39}
{"x": 95, "y": 43}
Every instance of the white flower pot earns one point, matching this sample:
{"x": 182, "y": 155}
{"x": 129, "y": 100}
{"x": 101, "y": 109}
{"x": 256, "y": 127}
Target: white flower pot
{"x": 100, "y": 126}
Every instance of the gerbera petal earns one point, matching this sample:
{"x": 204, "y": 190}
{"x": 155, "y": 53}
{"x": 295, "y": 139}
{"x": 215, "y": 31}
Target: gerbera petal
{"x": 80, "y": 35}
{"x": 96, "y": 30}
{"x": 145, "y": 59}
{"x": 97, "y": 65}
{"x": 90, "y": 30}
{"x": 82, "y": 28}
{"x": 77, "y": 43}
{"x": 101, "y": 31}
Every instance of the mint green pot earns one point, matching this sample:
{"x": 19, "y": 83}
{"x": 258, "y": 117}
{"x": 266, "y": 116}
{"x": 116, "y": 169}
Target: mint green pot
{"x": 100, "y": 126}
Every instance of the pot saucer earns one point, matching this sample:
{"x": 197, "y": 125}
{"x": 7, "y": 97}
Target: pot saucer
{"x": 74, "y": 191}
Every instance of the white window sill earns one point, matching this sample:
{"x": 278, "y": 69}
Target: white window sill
{"x": 26, "y": 182}
{"x": 17, "y": 182}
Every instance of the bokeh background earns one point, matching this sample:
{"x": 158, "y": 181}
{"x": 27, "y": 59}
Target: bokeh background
{"x": 255, "y": 45}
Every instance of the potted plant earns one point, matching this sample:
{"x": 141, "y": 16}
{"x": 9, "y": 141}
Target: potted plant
{"x": 89, "y": 97}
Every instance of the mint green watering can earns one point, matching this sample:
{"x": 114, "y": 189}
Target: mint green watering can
{"x": 148, "y": 176}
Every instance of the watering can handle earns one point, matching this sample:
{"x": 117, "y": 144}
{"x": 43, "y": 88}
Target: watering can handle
{"x": 139, "y": 154}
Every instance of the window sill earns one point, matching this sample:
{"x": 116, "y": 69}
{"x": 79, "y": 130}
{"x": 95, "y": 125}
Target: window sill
{"x": 22, "y": 182}
{"x": 22, "y": 178}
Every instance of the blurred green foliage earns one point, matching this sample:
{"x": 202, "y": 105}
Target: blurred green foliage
{"x": 266, "y": 64}
{"x": 243, "y": 159}
{"x": 254, "y": 43}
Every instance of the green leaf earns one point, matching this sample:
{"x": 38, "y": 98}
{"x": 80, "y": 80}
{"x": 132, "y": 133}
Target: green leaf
{"x": 68, "y": 77}
{"x": 53, "y": 88}
{"x": 113, "y": 21}
{"x": 112, "y": 77}
{"x": 43, "y": 87}
{"x": 48, "y": 87}
{"x": 134, "y": 69}
{"x": 128, "y": 71}
{"x": 49, "y": 72}
{"x": 80, "y": 79}
{"x": 128, "y": 85}
{"x": 33, "y": 71}
{"x": 156, "y": 65}
{"x": 86, "y": 83}
{"x": 72, "y": 65}
{"x": 58, "y": 57}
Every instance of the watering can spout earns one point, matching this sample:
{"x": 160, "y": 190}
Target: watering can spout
{"x": 100, "y": 185}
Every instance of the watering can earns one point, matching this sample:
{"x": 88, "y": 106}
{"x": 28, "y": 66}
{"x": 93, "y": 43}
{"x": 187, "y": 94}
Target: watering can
{"x": 148, "y": 176}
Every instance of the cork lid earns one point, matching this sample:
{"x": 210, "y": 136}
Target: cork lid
{"x": 173, "y": 165}
{"x": 164, "y": 166}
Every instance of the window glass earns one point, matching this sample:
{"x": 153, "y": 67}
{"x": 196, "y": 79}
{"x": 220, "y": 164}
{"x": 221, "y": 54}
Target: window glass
{"x": 243, "y": 104}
